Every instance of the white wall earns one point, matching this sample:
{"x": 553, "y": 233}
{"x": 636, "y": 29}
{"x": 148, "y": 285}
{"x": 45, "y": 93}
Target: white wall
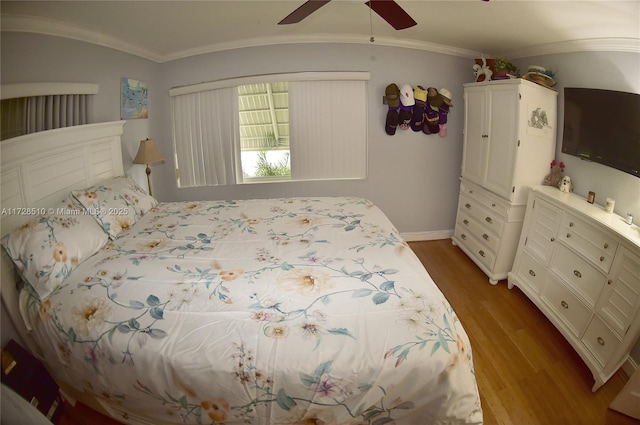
{"x": 30, "y": 58}
{"x": 412, "y": 177}
{"x": 603, "y": 70}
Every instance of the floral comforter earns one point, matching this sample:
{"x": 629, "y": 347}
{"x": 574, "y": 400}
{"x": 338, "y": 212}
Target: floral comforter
{"x": 282, "y": 311}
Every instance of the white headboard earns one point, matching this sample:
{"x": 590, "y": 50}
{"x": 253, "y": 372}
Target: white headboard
{"x": 39, "y": 170}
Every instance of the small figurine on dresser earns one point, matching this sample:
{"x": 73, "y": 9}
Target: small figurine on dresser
{"x": 565, "y": 185}
{"x": 554, "y": 178}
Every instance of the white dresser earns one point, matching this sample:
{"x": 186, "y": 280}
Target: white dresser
{"x": 581, "y": 267}
{"x": 509, "y": 143}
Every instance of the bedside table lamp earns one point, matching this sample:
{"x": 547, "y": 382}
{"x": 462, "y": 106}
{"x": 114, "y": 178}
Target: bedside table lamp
{"x": 148, "y": 154}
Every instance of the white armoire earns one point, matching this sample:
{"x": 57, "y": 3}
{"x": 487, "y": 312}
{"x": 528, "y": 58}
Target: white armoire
{"x": 509, "y": 143}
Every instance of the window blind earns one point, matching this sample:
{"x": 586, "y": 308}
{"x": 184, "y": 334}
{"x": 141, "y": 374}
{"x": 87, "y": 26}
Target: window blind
{"x": 39, "y": 113}
{"x": 205, "y": 133}
{"x": 328, "y": 129}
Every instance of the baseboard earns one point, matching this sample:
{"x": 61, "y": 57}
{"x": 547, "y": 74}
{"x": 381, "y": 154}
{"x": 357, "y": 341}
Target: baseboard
{"x": 427, "y": 236}
{"x": 629, "y": 366}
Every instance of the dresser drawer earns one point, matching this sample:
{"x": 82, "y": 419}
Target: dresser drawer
{"x": 491, "y": 219}
{"x": 477, "y": 249}
{"x": 531, "y": 272}
{"x": 620, "y": 298}
{"x": 597, "y": 246}
{"x": 541, "y": 233}
{"x": 567, "y": 306}
{"x": 479, "y": 230}
{"x": 600, "y": 340}
{"x": 489, "y": 200}
{"x": 581, "y": 275}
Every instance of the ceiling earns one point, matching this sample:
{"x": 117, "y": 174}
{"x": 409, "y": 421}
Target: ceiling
{"x": 166, "y": 30}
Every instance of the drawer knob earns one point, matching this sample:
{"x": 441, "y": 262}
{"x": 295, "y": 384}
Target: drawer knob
{"x": 568, "y": 235}
{"x": 601, "y": 341}
{"x": 553, "y": 239}
{"x": 606, "y": 246}
{"x": 481, "y": 252}
{"x": 609, "y": 282}
{"x": 532, "y": 273}
{"x": 463, "y": 236}
{"x": 471, "y": 191}
{"x": 564, "y": 304}
{"x": 468, "y": 206}
{"x": 485, "y": 236}
{"x": 571, "y": 224}
{"x": 488, "y": 220}
{"x": 577, "y": 273}
{"x": 602, "y": 258}
{"x": 466, "y": 222}
{"x": 493, "y": 205}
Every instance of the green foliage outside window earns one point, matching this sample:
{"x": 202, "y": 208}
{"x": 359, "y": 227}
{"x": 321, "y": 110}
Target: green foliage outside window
{"x": 268, "y": 169}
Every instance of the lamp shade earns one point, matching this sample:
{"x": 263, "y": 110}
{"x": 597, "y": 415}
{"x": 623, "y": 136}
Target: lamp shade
{"x": 148, "y": 153}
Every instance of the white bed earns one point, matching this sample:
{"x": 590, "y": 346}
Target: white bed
{"x": 273, "y": 311}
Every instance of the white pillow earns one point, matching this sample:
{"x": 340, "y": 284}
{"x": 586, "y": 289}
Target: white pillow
{"x": 46, "y": 249}
{"x": 116, "y": 204}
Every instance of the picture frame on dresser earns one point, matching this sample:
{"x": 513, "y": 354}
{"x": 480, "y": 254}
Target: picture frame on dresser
{"x": 580, "y": 266}
{"x": 509, "y": 142}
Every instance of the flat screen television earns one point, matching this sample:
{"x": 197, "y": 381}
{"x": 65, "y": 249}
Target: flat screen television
{"x": 603, "y": 126}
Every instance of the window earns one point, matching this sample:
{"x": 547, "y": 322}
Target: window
{"x": 305, "y": 126}
{"x": 264, "y": 131}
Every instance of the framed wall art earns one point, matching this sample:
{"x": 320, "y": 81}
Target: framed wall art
{"x": 134, "y": 99}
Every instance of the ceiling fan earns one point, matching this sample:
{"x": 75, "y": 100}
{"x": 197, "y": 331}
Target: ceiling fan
{"x": 388, "y": 10}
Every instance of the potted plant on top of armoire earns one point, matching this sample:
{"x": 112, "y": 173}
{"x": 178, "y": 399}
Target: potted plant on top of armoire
{"x": 504, "y": 69}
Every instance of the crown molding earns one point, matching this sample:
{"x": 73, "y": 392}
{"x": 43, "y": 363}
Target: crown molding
{"x": 35, "y": 25}
{"x": 29, "y": 24}
{"x": 325, "y": 38}
{"x": 630, "y": 45}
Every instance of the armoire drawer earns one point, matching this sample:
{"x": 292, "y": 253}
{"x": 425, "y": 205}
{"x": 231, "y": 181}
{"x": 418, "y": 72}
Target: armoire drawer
{"x": 600, "y": 340}
{"x": 485, "y": 198}
{"x": 581, "y": 275}
{"x": 566, "y": 305}
{"x": 478, "y": 250}
{"x": 531, "y": 272}
{"x": 597, "y": 246}
{"x": 491, "y": 219}
{"x": 479, "y": 230}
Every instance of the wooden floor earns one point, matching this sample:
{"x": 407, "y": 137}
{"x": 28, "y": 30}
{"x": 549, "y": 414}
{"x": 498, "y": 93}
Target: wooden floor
{"x": 527, "y": 373}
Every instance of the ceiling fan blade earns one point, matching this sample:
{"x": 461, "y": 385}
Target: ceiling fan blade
{"x": 391, "y": 12}
{"x": 303, "y": 11}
